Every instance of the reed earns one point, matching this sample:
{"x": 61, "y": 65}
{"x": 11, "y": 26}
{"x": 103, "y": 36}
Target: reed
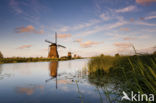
{"x": 128, "y": 73}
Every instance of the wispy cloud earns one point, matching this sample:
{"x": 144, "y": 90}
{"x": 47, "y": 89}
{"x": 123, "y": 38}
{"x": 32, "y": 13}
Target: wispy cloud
{"x": 15, "y": 6}
{"x": 78, "y": 26}
{"x": 29, "y": 29}
{"x": 129, "y": 38}
{"x": 87, "y": 24}
{"x": 150, "y": 17}
{"x": 29, "y": 11}
{"x": 144, "y": 23}
{"x": 104, "y": 16}
{"x": 24, "y": 46}
{"x": 144, "y": 2}
{"x": 104, "y": 27}
{"x": 88, "y": 44}
{"x": 63, "y": 36}
{"x": 78, "y": 40}
{"x": 124, "y": 29}
{"x": 126, "y": 9}
{"x": 63, "y": 29}
{"x": 122, "y": 44}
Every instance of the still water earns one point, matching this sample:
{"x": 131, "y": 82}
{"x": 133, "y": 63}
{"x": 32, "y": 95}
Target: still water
{"x": 48, "y": 82}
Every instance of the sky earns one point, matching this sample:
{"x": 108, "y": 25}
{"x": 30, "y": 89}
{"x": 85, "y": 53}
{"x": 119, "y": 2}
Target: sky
{"x": 85, "y": 27}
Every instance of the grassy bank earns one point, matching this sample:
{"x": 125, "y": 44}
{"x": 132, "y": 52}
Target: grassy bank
{"x": 127, "y": 73}
{"x": 30, "y": 59}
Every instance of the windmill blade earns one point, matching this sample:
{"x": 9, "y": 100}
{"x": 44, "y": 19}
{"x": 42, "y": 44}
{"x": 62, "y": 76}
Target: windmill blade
{"x": 61, "y": 46}
{"x": 48, "y": 41}
{"x": 56, "y": 37}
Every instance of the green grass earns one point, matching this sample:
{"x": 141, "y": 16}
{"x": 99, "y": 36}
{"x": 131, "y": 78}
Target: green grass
{"x": 128, "y": 73}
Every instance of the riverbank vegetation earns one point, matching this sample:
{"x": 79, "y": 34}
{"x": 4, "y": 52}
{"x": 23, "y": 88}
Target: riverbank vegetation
{"x": 30, "y": 59}
{"x": 127, "y": 73}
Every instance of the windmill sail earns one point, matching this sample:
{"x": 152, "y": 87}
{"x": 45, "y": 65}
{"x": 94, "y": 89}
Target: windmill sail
{"x": 56, "y": 37}
{"x": 48, "y": 41}
{"x": 61, "y": 46}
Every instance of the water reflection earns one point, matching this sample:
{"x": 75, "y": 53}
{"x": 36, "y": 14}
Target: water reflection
{"x": 53, "y": 66}
{"x": 29, "y": 90}
{"x": 41, "y": 85}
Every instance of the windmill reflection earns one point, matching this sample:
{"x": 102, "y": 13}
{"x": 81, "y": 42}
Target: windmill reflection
{"x": 53, "y": 71}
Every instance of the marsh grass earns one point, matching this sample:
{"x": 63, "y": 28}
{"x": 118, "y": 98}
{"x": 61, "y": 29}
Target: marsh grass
{"x": 128, "y": 73}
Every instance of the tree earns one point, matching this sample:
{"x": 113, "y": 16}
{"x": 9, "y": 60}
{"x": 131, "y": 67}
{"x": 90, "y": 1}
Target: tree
{"x": 1, "y": 55}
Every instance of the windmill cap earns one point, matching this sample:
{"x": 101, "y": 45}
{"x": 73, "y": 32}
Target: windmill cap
{"x": 54, "y": 44}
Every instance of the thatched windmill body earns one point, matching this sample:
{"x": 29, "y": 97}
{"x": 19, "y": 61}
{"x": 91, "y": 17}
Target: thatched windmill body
{"x": 53, "y": 53}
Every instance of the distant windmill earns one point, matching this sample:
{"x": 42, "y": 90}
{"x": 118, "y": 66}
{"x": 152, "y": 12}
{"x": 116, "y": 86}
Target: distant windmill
{"x": 53, "y": 53}
{"x": 70, "y": 55}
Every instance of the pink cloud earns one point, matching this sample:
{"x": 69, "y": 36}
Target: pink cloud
{"x": 62, "y": 36}
{"x": 28, "y": 28}
{"x": 88, "y": 44}
{"x": 129, "y": 38}
{"x": 132, "y": 19}
{"x": 24, "y": 46}
{"x": 122, "y": 45}
{"x": 144, "y": 2}
{"x": 124, "y": 29}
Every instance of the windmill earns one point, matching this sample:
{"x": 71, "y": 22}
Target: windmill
{"x": 53, "y": 53}
{"x": 69, "y": 55}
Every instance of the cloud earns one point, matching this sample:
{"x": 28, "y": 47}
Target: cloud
{"x": 24, "y": 46}
{"x": 79, "y": 26}
{"x": 144, "y": 23}
{"x": 132, "y": 19}
{"x": 147, "y": 50}
{"x": 63, "y": 29}
{"x": 88, "y": 44}
{"x": 129, "y": 38}
{"x": 124, "y": 29}
{"x": 144, "y": 2}
{"x": 62, "y": 36}
{"x": 104, "y": 27}
{"x": 122, "y": 45}
{"x": 150, "y": 17}
{"x": 78, "y": 40}
{"x": 15, "y": 6}
{"x": 29, "y": 29}
{"x": 126, "y": 9}
{"x": 84, "y": 25}
{"x": 104, "y": 17}
{"x": 29, "y": 11}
